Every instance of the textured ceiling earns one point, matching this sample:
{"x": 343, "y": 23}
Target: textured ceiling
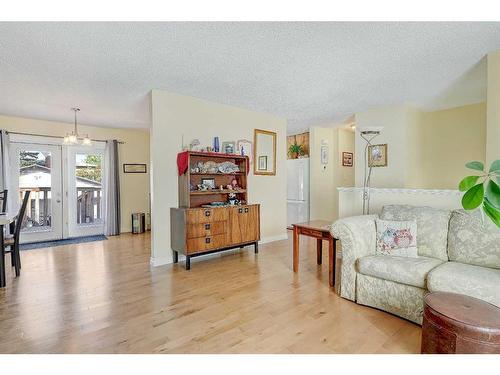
{"x": 309, "y": 73}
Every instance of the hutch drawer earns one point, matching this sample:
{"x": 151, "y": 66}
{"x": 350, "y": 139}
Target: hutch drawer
{"x": 206, "y": 229}
{"x": 202, "y": 244}
{"x": 206, "y": 215}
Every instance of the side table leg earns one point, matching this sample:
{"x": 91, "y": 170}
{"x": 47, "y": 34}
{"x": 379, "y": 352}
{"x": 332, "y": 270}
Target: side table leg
{"x": 331, "y": 261}
{"x": 319, "y": 250}
{"x": 295, "y": 249}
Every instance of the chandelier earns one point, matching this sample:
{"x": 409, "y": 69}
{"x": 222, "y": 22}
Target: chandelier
{"x": 72, "y": 138}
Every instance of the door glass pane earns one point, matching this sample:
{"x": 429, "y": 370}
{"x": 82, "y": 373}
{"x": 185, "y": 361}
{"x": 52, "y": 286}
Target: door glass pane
{"x": 88, "y": 174}
{"x": 35, "y": 175}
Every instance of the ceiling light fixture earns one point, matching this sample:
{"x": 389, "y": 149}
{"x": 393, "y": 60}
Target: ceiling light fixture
{"x": 72, "y": 138}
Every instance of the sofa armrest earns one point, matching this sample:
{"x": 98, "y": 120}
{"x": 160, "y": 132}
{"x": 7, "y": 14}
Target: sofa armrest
{"x": 358, "y": 237}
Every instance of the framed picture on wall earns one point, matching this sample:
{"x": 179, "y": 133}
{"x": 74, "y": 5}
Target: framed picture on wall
{"x": 377, "y": 155}
{"x": 262, "y": 163}
{"x": 347, "y": 159}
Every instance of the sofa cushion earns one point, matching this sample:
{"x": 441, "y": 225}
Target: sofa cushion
{"x": 432, "y": 226}
{"x": 397, "y": 238}
{"x": 473, "y": 240}
{"x": 408, "y": 271}
{"x": 474, "y": 281}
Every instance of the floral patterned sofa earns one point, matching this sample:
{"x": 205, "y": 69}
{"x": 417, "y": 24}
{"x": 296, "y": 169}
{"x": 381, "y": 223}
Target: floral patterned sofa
{"x": 458, "y": 252}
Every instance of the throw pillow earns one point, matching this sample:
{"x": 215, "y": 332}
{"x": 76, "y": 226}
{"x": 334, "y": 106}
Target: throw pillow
{"x": 397, "y": 238}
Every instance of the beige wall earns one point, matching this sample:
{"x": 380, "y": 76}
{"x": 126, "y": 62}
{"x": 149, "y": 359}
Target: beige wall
{"x": 134, "y": 188}
{"x": 175, "y": 116}
{"x": 493, "y": 114}
{"x": 425, "y": 149}
{"x": 448, "y": 140}
{"x": 324, "y": 179}
{"x": 397, "y": 124}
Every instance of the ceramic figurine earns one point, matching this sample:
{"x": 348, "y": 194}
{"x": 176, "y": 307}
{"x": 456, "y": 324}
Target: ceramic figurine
{"x": 234, "y": 184}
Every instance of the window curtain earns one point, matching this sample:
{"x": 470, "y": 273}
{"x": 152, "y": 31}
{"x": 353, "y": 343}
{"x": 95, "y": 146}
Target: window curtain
{"x": 112, "y": 218}
{"x": 5, "y": 183}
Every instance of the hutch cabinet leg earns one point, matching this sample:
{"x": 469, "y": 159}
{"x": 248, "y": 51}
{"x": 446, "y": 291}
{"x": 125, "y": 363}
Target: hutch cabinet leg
{"x": 319, "y": 250}
{"x": 188, "y": 262}
{"x": 176, "y": 257}
{"x": 256, "y": 247}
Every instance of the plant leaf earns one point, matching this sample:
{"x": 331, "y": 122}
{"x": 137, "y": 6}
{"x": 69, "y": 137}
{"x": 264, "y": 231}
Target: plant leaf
{"x": 477, "y": 165}
{"x": 467, "y": 183}
{"x": 473, "y": 197}
{"x": 493, "y": 193}
{"x": 492, "y": 212}
{"x": 495, "y": 166}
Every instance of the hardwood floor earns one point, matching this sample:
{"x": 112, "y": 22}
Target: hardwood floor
{"x": 103, "y": 297}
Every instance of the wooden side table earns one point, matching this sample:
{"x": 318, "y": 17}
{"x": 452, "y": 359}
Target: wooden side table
{"x": 319, "y": 229}
{"x": 454, "y": 323}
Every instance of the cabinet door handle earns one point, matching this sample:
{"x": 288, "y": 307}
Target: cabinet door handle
{"x": 207, "y": 240}
{"x": 240, "y": 210}
{"x": 207, "y": 226}
{"x": 246, "y": 210}
{"x": 207, "y": 213}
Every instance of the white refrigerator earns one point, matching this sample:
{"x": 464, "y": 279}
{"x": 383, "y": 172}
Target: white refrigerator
{"x": 297, "y": 191}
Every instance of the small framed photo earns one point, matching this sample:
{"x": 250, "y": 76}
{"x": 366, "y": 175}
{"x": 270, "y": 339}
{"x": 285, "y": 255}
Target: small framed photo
{"x": 229, "y": 147}
{"x": 347, "y": 159}
{"x": 208, "y": 182}
{"x": 134, "y": 168}
{"x": 244, "y": 147}
{"x": 377, "y": 155}
{"x": 262, "y": 163}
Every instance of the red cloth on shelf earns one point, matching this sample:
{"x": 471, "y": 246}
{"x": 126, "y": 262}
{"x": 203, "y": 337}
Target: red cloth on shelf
{"x": 183, "y": 161}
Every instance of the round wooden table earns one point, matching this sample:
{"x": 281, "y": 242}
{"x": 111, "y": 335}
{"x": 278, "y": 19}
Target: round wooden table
{"x": 454, "y": 323}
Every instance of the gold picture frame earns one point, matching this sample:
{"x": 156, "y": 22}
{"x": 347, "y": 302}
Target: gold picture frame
{"x": 377, "y": 155}
{"x": 264, "y": 152}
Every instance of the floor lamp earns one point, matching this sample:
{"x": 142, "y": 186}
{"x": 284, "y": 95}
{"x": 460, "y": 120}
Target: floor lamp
{"x": 368, "y": 134}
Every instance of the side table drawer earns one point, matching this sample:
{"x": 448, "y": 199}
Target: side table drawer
{"x": 311, "y": 232}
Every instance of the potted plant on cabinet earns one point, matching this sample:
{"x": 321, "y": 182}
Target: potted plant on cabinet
{"x": 295, "y": 150}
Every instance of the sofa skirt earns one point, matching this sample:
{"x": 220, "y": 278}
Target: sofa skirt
{"x": 402, "y": 300}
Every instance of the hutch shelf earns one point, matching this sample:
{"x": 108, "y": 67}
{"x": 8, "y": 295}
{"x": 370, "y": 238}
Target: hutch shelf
{"x": 199, "y": 228}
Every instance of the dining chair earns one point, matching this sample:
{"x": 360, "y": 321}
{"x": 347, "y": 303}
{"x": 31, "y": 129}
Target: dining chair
{"x": 3, "y": 198}
{"x": 13, "y": 242}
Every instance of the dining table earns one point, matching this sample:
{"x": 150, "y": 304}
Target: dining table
{"x": 5, "y": 220}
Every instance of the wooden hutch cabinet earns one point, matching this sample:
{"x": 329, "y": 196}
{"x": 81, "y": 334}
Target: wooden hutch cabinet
{"x": 196, "y": 227}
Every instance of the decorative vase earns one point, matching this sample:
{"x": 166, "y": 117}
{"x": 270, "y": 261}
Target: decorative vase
{"x": 216, "y": 144}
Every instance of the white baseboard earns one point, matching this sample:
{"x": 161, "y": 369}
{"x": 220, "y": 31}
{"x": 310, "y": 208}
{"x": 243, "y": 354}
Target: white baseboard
{"x": 279, "y": 237}
{"x": 157, "y": 262}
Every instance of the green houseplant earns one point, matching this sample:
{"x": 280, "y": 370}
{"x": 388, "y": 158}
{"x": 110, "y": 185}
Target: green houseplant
{"x": 295, "y": 150}
{"x": 483, "y": 189}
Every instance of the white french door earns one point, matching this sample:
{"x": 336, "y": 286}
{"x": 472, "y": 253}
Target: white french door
{"x": 85, "y": 167}
{"x": 66, "y": 184}
{"x": 37, "y": 168}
